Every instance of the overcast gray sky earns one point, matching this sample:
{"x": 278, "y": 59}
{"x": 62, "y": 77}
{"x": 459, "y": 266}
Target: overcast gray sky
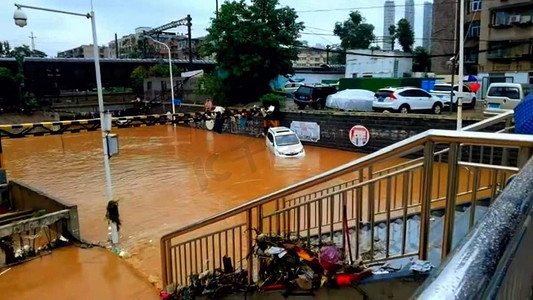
{"x": 57, "y": 32}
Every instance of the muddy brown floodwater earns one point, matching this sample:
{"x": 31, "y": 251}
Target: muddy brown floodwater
{"x": 164, "y": 178}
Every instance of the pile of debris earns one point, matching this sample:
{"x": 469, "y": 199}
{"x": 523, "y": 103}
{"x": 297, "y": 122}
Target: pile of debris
{"x": 288, "y": 265}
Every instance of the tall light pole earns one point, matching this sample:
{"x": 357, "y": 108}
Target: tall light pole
{"x": 461, "y": 65}
{"x": 21, "y": 20}
{"x": 170, "y": 68}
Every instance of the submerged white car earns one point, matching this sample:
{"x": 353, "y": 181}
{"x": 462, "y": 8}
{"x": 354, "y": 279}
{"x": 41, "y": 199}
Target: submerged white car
{"x": 283, "y": 142}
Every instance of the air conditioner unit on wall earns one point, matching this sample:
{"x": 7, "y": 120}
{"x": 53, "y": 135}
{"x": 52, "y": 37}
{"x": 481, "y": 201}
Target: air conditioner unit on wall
{"x": 514, "y": 19}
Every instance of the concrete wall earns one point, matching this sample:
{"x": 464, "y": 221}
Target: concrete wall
{"x": 385, "y": 129}
{"x": 392, "y": 66}
{"x": 25, "y": 197}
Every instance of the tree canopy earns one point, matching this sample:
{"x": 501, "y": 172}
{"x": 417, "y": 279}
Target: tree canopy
{"x": 19, "y": 52}
{"x": 252, "y": 44}
{"x": 354, "y": 33}
{"x": 404, "y": 34}
{"x": 421, "y": 60}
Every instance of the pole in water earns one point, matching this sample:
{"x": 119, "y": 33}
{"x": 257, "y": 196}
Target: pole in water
{"x": 103, "y": 125}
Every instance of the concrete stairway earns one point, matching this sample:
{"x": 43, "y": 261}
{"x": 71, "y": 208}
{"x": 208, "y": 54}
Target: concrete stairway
{"x": 461, "y": 228}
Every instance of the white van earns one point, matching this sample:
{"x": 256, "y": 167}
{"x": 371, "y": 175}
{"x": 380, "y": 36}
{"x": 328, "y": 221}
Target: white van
{"x": 283, "y": 142}
{"x": 503, "y": 96}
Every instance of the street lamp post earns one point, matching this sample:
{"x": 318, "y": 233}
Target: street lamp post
{"x": 170, "y": 68}
{"x": 21, "y": 20}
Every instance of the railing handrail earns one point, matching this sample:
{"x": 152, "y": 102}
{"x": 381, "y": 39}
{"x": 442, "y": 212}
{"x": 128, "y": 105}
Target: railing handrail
{"x": 489, "y": 121}
{"x": 473, "y": 127}
{"x": 471, "y": 266}
{"x": 407, "y": 146}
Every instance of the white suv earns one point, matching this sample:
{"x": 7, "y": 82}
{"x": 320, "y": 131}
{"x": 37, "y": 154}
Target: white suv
{"x": 283, "y": 142}
{"x": 443, "y": 91}
{"x": 405, "y": 100}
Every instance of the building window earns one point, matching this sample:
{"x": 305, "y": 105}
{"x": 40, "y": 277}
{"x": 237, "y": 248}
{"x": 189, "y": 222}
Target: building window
{"x": 475, "y": 29}
{"x": 149, "y": 85}
{"x": 500, "y": 18}
{"x": 471, "y": 55}
{"x": 475, "y": 5}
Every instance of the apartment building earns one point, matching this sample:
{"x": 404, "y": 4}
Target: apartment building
{"x": 311, "y": 58}
{"x": 135, "y": 43}
{"x": 389, "y": 11}
{"x": 428, "y": 24}
{"x": 498, "y": 39}
{"x": 507, "y": 33}
{"x": 84, "y": 51}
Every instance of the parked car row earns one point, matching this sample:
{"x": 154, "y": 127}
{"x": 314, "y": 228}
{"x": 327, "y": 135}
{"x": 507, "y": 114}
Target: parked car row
{"x": 405, "y": 100}
{"x": 500, "y": 97}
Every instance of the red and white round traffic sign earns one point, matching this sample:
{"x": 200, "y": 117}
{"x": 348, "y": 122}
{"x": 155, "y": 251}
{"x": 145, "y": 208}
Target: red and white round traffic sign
{"x": 359, "y": 136}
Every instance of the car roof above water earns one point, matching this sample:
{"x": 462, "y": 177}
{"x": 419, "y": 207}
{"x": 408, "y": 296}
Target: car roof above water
{"x": 280, "y": 130}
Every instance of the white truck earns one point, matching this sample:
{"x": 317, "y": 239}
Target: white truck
{"x": 443, "y": 92}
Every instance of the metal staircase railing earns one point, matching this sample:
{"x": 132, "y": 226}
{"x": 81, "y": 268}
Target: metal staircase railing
{"x": 366, "y": 200}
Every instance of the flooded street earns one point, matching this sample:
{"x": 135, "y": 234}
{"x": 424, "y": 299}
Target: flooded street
{"x": 92, "y": 274}
{"x": 164, "y": 178}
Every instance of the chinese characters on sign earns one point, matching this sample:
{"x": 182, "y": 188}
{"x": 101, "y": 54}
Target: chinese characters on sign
{"x": 359, "y": 136}
{"x": 306, "y": 131}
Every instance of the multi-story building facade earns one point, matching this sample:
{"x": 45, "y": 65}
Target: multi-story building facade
{"x": 443, "y": 35}
{"x": 507, "y": 33}
{"x": 311, "y": 58}
{"x": 84, "y": 51}
{"x": 472, "y": 25}
{"x": 428, "y": 24}
{"x": 388, "y": 21}
{"x": 498, "y": 38}
{"x": 410, "y": 13}
{"x": 135, "y": 43}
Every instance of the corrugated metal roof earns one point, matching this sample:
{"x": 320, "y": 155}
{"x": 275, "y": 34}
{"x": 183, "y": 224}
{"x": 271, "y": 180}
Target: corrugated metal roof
{"x": 7, "y": 59}
{"x": 115, "y": 60}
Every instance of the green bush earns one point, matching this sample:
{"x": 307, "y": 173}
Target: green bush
{"x": 273, "y": 97}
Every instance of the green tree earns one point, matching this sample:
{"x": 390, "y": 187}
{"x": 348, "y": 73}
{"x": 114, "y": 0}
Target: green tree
{"x": 8, "y": 88}
{"x": 137, "y": 77}
{"x": 421, "y": 60}
{"x": 213, "y": 86}
{"x": 5, "y": 49}
{"x": 354, "y": 33}
{"x": 252, "y": 44}
{"x": 162, "y": 70}
{"x": 337, "y": 57}
{"x": 25, "y": 51}
{"x": 405, "y": 35}
{"x": 392, "y": 33}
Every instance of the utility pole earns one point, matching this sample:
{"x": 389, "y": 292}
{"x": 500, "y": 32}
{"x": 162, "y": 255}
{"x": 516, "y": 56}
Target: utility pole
{"x": 456, "y": 52}
{"x": 32, "y": 37}
{"x": 217, "y": 9}
{"x": 461, "y": 65}
{"x": 189, "y": 25}
{"x": 116, "y": 46}
{"x": 327, "y": 54}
